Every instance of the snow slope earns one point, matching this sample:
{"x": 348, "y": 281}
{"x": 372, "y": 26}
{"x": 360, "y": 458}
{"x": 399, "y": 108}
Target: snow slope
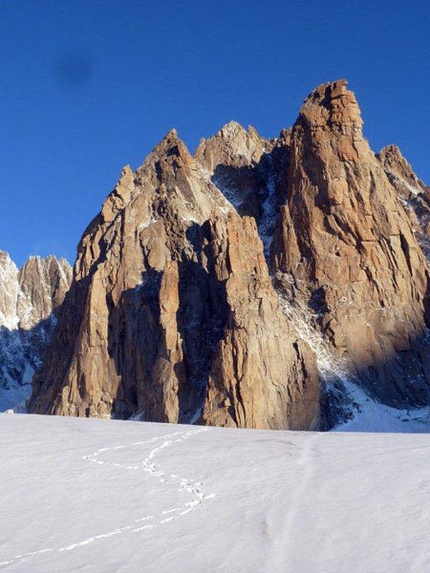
{"x": 98, "y": 495}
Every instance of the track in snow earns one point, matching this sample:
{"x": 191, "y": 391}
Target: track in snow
{"x": 195, "y": 488}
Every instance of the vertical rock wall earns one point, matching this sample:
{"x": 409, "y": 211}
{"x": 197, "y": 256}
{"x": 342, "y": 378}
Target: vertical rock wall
{"x": 176, "y": 309}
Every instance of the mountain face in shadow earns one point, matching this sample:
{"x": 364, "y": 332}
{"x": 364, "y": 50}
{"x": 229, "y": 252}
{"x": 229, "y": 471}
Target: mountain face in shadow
{"x": 243, "y": 286}
{"x": 29, "y": 300}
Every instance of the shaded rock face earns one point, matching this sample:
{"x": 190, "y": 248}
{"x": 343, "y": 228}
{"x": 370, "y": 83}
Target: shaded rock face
{"x": 344, "y": 247}
{"x": 250, "y": 171}
{"x": 29, "y": 300}
{"x": 200, "y": 284}
{"x": 170, "y": 318}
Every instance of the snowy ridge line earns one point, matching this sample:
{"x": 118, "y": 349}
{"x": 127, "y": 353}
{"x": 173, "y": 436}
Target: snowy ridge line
{"x": 195, "y": 488}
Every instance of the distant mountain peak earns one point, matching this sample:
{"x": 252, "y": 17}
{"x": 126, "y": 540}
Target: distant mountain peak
{"x": 29, "y": 300}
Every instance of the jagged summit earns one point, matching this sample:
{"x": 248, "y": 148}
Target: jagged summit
{"x": 30, "y": 294}
{"x": 171, "y": 144}
{"x": 248, "y": 285}
{"x": 29, "y": 300}
{"x": 346, "y": 240}
{"x": 230, "y": 129}
{"x": 167, "y": 296}
{"x": 232, "y": 143}
{"x": 328, "y": 91}
{"x": 332, "y": 104}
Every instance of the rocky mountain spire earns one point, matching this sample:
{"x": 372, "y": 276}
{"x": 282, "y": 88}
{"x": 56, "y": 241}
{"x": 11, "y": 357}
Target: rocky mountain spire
{"x": 169, "y": 318}
{"x": 344, "y": 247}
{"x": 210, "y": 288}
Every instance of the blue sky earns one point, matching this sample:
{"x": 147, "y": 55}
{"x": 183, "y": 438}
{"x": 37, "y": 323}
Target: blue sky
{"x": 88, "y": 86}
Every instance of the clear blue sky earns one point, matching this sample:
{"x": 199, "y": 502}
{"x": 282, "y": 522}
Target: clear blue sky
{"x": 90, "y": 85}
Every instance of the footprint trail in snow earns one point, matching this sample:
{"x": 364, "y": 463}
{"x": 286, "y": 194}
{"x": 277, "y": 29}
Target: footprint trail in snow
{"x": 195, "y": 488}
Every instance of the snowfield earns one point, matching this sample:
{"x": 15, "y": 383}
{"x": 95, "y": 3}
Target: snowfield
{"x": 109, "y": 496}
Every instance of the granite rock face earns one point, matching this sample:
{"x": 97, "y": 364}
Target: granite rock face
{"x": 344, "y": 247}
{"x": 169, "y": 318}
{"x": 29, "y": 300}
{"x": 200, "y": 289}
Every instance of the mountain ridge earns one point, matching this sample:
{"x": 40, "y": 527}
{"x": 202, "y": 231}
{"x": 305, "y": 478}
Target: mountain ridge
{"x": 232, "y": 286}
{"x": 29, "y": 299}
